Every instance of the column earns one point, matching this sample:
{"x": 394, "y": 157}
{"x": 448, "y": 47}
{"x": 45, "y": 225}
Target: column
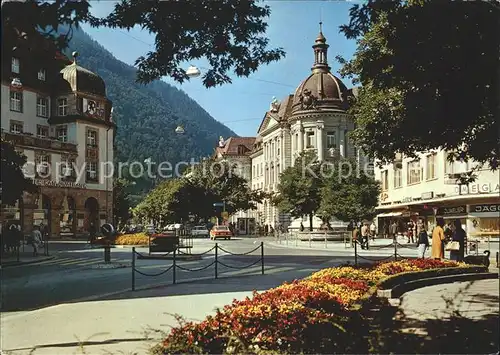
{"x": 283, "y": 137}
{"x": 342, "y": 150}
{"x": 319, "y": 140}
{"x": 301, "y": 140}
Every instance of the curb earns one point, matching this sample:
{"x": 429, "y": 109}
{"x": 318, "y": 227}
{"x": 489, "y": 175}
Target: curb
{"x": 22, "y": 263}
{"x": 398, "y": 290}
{"x": 129, "y": 246}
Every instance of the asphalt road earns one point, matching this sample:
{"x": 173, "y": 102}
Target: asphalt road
{"x": 73, "y": 274}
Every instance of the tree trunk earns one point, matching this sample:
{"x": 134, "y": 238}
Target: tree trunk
{"x": 311, "y": 222}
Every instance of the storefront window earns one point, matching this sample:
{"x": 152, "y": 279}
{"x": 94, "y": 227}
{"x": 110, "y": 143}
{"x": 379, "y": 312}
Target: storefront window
{"x": 485, "y": 226}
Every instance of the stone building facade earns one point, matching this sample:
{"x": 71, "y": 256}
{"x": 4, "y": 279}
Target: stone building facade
{"x": 313, "y": 118}
{"x": 57, "y": 114}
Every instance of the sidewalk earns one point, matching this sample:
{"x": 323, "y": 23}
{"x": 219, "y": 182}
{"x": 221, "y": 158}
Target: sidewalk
{"x": 123, "y": 323}
{"x": 24, "y": 259}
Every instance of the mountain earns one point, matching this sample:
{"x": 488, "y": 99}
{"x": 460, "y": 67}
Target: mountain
{"x": 147, "y": 115}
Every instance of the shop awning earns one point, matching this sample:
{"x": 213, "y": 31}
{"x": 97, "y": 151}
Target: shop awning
{"x": 390, "y": 214}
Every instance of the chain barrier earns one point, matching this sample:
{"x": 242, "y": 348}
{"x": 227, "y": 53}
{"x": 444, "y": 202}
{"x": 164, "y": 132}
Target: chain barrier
{"x": 175, "y": 255}
{"x": 394, "y": 256}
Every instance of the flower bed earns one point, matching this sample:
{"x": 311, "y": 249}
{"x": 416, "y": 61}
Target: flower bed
{"x": 132, "y": 239}
{"x": 314, "y": 315}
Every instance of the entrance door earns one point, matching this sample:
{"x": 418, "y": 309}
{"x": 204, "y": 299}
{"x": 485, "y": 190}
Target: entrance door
{"x": 92, "y": 213}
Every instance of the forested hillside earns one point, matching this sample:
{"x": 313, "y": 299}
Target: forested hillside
{"x": 147, "y": 115}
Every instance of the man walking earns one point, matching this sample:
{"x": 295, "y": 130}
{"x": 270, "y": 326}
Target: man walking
{"x": 373, "y": 230}
{"x": 365, "y": 234}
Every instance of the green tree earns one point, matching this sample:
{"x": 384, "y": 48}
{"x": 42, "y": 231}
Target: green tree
{"x": 229, "y": 34}
{"x": 299, "y": 187}
{"x": 14, "y": 183}
{"x": 121, "y": 205}
{"x": 426, "y": 84}
{"x": 348, "y": 193}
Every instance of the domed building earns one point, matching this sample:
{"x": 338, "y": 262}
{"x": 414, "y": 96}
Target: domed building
{"x": 313, "y": 118}
{"x": 58, "y": 115}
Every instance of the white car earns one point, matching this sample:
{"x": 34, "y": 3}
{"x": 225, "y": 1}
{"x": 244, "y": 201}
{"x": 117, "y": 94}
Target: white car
{"x": 200, "y": 231}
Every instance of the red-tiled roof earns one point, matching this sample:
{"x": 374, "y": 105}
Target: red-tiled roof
{"x": 232, "y": 145}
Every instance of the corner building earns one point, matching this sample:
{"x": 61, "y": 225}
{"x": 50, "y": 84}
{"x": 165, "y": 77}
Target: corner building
{"x": 313, "y": 118}
{"x": 57, "y": 114}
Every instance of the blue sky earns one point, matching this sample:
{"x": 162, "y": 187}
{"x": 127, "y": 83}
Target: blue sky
{"x": 241, "y": 105}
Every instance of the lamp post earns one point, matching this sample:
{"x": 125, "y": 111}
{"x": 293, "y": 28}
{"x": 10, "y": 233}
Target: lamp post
{"x": 16, "y": 83}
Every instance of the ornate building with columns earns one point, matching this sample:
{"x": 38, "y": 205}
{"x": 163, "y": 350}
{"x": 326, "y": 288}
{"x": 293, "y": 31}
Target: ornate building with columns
{"x": 313, "y": 118}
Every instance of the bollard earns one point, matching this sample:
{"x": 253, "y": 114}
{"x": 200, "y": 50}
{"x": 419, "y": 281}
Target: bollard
{"x": 149, "y": 242}
{"x": 355, "y": 253}
{"x": 262, "y": 256}
{"x": 395, "y": 250}
{"x": 107, "y": 254}
{"x": 174, "y": 266}
{"x": 216, "y": 259}
{"x": 326, "y": 245}
{"x": 310, "y": 246}
{"x": 133, "y": 269}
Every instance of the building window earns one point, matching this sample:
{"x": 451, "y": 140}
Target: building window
{"x": 431, "y": 166}
{"x": 414, "y": 173}
{"x": 398, "y": 177}
{"x": 331, "y": 140}
{"x": 41, "y": 74}
{"x": 454, "y": 167}
{"x": 15, "y": 65}
{"x": 62, "y": 107}
{"x": 261, "y": 169}
{"x": 42, "y": 131}
{"x": 91, "y": 170}
{"x": 16, "y": 127}
{"x": 91, "y": 138}
{"x": 43, "y": 165}
{"x": 66, "y": 169}
{"x": 385, "y": 180}
{"x": 310, "y": 139}
{"x": 42, "y": 106}
{"x": 16, "y": 101}
{"x": 62, "y": 133}
{"x": 241, "y": 150}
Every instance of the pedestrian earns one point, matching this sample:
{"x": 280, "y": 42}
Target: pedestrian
{"x": 411, "y": 227}
{"x": 365, "y": 234}
{"x": 36, "y": 241}
{"x": 373, "y": 230}
{"x": 301, "y": 226}
{"x": 438, "y": 240}
{"x": 393, "y": 230}
{"x": 355, "y": 234}
{"x": 422, "y": 240}
{"x": 92, "y": 234}
{"x": 459, "y": 236}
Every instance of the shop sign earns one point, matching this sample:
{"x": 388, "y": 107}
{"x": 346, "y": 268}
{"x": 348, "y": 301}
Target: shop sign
{"x": 485, "y": 208}
{"x": 427, "y": 195}
{"x": 63, "y": 184}
{"x": 384, "y": 196}
{"x": 407, "y": 199}
{"x": 452, "y": 210}
{"x": 478, "y": 188}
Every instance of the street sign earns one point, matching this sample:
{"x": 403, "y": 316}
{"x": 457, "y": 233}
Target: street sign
{"x": 219, "y": 204}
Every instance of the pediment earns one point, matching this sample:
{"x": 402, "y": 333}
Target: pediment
{"x": 269, "y": 121}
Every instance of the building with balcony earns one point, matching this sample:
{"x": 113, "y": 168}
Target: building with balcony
{"x": 57, "y": 114}
{"x": 428, "y": 188}
{"x": 313, "y": 118}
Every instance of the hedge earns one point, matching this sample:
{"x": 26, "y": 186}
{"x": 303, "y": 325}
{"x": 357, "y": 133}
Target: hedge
{"x": 319, "y": 314}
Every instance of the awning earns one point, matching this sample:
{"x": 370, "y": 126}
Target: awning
{"x": 390, "y": 214}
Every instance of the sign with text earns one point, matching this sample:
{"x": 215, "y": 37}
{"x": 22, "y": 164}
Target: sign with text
{"x": 427, "y": 195}
{"x": 485, "y": 188}
{"x": 485, "y": 208}
{"x": 64, "y": 184}
{"x": 446, "y": 211}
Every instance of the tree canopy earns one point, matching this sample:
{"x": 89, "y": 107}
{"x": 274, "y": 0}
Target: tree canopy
{"x": 336, "y": 188}
{"x": 428, "y": 71}
{"x": 14, "y": 183}
{"x": 194, "y": 195}
{"x": 229, "y": 34}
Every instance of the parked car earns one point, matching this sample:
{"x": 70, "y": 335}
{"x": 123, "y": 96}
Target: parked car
{"x": 200, "y": 231}
{"x": 220, "y": 232}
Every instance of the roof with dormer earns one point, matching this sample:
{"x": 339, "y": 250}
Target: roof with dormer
{"x": 232, "y": 144}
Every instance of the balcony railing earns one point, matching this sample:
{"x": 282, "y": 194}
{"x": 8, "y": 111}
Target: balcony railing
{"x": 22, "y": 139}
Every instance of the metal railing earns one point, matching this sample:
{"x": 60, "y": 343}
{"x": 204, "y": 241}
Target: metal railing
{"x": 176, "y": 254}
{"x": 394, "y": 256}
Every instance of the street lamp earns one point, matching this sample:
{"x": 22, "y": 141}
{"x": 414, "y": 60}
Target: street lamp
{"x": 179, "y": 130}
{"x": 193, "y": 72}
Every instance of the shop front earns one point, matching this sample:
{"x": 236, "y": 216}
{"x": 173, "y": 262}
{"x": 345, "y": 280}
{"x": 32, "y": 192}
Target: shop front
{"x": 484, "y": 220}
{"x": 451, "y": 213}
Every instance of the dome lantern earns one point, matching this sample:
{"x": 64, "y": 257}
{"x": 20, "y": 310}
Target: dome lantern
{"x": 83, "y": 80}
{"x": 179, "y": 130}
{"x": 193, "y": 72}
